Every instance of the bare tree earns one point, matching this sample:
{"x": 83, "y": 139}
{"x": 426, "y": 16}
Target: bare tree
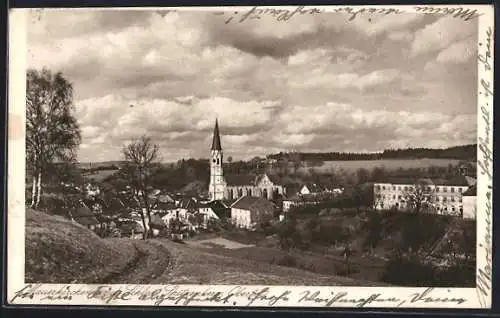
{"x": 419, "y": 197}
{"x": 52, "y": 132}
{"x": 141, "y": 154}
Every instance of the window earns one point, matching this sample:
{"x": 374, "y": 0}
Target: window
{"x": 445, "y": 189}
{"x": 394, "y": 197}
{"x": 393, "y": 187}
{"x": 428, "y": 188}
{"x": 383, "y": 188}
{"x": 452, "y": 189}
{"x": 399, "y": 197}
{"x": 437, "y": 189}
{"x": 444, "y": 199}
{"x": 377, "y": 187}
{"x": 460, "y": 190}
{"x": 399, "y": 188}
{"x": 453, "y": 209}
{"x": 217, "y": 161}
{"x": 459, "y": 199}
{"x": 406, "y": 188}
{"x": 452, "y": 199}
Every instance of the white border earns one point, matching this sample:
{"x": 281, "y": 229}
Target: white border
{"x": 200, "y": 295}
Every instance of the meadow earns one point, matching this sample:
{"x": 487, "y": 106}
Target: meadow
{"x": 388, "y": 164}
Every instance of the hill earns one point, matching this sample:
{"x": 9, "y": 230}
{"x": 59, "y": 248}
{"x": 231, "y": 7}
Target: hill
{"x": 465, "y": 152}
{"x": 58, "y": 250}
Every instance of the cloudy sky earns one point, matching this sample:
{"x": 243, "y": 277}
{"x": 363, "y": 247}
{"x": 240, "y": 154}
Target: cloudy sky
{"x": 314, "y": 83}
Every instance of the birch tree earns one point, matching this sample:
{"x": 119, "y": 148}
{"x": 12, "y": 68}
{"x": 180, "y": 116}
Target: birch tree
{"x": 52, "y": 132}
{"x": 140, "y": 155}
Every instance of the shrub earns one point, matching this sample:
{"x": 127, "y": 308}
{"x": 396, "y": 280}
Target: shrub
{"x": 287, "y": 260}
{"x": 408, "y": 272}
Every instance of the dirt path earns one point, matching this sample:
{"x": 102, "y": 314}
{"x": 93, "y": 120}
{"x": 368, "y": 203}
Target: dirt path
{"x": 151, "y": 261}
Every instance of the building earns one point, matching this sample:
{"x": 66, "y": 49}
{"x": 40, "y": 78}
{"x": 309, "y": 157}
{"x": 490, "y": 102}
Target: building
{"x": 247, "y": 212}
{"x": 469, "y": 201}
{"x": 440, "y": 195}
{"x": 83, "y": 215}
{"x": 311, "y": 188}
{"x": 231, "y": 187}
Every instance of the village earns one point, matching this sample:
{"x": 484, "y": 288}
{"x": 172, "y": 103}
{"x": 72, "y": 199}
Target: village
{"x": 344, "y": 220}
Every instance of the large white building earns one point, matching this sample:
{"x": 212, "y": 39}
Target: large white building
{"x": 469, "y": 201}
{"x": 441, "y": 196}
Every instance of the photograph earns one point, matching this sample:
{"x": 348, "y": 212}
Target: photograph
{"x": 254, "y": 146}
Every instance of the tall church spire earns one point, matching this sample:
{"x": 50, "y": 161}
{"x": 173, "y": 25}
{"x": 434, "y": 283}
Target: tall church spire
{"x": 216, "y": 141}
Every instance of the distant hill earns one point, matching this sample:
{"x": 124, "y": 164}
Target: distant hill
{"x": 466, "y": 152}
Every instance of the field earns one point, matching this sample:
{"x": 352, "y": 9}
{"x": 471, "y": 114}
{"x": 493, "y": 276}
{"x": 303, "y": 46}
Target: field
{"x": 59, "y": 251}
{"x": 388, "y": 164}
{"x": 99, "y": 176}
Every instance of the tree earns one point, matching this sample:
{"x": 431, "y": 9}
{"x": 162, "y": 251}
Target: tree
{"x": 140, "y": 156}
{"x": 362, "y": 175}
{"x": 52, "y": 132}
{"x": 419, "y": 197}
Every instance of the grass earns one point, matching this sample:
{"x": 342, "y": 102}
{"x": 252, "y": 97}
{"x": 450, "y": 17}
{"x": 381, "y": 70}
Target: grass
{"x": 60, "y": 251}
{"x": 99, "y": 175}
{"x": 389, "y": 164}
{"x": 194, "y": 266}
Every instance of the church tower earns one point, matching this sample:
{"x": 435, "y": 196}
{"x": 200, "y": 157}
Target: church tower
{"x": 217, "y": 184}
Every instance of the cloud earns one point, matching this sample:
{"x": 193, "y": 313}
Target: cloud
{"x": 458, "y": 52}
{"x": 441, "y": 34}
{"x": 313, "y": 83}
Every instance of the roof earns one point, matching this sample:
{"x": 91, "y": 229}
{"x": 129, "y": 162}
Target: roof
{"x": 471, "y": 192}
{"x": 159, "y": 205}
{"x": 189, "y": 204}
{"x": 218, "y": 207}
{"x": 84, "y": 216}
{"x": 313, "y": 187}
{"x": 252, "y": 203}
{"x": 216, "y": 140}
{"x": 240, "y": 180}
{"x": 455, "y": 181}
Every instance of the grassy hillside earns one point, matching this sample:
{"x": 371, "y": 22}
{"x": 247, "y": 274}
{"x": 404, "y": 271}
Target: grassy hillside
{"x": 59, "y": 251}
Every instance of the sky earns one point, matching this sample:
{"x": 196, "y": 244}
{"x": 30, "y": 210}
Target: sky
{"x": 314, "y": 83}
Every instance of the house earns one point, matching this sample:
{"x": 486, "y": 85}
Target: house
{"x": 215, "y": 210}
{"x": 83, "y": 215}
{"x": 311, "y": 188}
{"x": 130, "y": 228}
{"x": 248, "y": 211}
{"x": 444, "y": 196}
{"x": 469, "y": 201}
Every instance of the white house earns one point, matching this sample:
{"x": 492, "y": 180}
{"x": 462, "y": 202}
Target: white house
{"x": 445, "y": 196}
{"x": 469, "y": 201}
{"x": 311, "y": 188}
{"x": 247, "y": 211}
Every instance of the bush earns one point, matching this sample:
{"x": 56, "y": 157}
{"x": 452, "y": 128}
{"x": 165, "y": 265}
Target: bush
{"x": 287, "y": 260}
{"x": 342, "y": 270}
{"x": 408, "y": 272}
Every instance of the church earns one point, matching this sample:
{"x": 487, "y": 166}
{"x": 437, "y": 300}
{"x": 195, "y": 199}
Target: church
{"x": 232, "y": 187}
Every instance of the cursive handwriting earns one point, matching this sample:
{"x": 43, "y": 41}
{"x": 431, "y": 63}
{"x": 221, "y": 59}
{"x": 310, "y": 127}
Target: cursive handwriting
{"x": 485, "y": 58}
{"x": 223, "y": 296}
{"x": 278, "y": 14}
{"x": 309, "y": 297}
{"x": 485, "y": 164}
{"x": 426, "y": 297}
{"x": 461, "y": 13}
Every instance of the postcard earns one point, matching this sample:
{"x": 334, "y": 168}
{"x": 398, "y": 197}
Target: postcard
{"x": 307, "y": 157}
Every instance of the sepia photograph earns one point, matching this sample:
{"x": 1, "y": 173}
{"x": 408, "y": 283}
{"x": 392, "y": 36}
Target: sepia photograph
{"x": 302, "y": 146}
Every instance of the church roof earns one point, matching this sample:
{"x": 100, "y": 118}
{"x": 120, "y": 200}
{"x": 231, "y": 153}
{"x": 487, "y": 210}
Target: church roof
{"x": 240, "y": 180}
{"x": 216, "y": 141}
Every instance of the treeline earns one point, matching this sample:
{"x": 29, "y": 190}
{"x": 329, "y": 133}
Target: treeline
{"x": 466, "y": 152}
